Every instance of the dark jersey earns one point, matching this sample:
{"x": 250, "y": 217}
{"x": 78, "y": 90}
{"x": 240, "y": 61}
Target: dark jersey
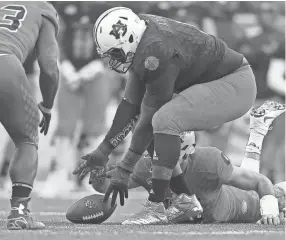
{"x": 196, "y": 55}
{"x": 20, "y": 24}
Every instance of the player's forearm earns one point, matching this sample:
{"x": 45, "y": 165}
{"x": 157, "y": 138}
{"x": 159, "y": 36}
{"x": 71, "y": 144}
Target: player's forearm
{"x": 125, "y": 119}
{"x": 141, "y": 138}
{"x": 49, "y": 83}
{"x": 264, "y": 186}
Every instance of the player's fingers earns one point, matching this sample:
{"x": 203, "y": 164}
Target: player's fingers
{"x": 47, "y": 127}
{"x": 42, "y": 122}
{"x": 270, "y": 220}
{"x": 121, "y": 196}
{"x": 107, "y": 194}
{"x": 126, "y": 192}
{"x": 114, "y": 197}
{"x": 42, "y": 127}
{"x": 80, "y": 167}
{"x": 264, "y": 220}
{"x": 276, "y": 221}
{"x": 84, "y": 172}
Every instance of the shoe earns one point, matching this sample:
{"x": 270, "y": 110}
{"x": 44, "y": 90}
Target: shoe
{"x": 261, "y": 119}
{"x": 184, "y": 208}
{"x": 20, "y": 217}
{"x": 152, "y": 213}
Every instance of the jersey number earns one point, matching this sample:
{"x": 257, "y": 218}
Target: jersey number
{"x": 12, "y": 20}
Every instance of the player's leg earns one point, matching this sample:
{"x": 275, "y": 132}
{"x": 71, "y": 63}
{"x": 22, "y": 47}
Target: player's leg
{"x": 10, "y": 146}
{"x": 20, "y": 117}
{"x": 200, "y": 107}
{"x": 260, "y": 121}
{"x": 68, "y": 114}
{"x": 7, "y": 158}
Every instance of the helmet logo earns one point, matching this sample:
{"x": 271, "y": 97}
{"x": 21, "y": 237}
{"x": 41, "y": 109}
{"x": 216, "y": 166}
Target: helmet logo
{"x": 119, "y": 29}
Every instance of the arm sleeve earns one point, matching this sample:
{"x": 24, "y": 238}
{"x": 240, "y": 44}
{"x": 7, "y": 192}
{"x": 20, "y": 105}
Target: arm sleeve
{"x": 126, "y": 115}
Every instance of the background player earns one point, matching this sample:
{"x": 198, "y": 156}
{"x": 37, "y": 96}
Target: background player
{"x": 26, "y": 28}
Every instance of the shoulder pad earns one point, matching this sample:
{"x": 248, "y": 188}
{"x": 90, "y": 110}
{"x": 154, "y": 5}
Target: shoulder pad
{"x": 50, "y": 12}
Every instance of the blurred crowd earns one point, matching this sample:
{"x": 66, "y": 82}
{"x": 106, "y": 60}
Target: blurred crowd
{"x": 89, "y": 92}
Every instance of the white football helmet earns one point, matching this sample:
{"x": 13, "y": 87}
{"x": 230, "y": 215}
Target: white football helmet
{"x": 117, "y": 33}
{"x": 188, "y": 144}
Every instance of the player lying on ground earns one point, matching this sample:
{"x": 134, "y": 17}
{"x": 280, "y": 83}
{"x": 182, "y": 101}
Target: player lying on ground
{"x": 214, "y": 85}
{"x": 26, "y": 28}
{"x": 227, "y": 193}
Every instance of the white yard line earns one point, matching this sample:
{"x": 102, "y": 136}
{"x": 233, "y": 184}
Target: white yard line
{"x": 220, "y": 233}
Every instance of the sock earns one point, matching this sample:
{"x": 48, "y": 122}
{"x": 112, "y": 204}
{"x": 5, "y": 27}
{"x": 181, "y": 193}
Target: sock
{"x": 21, "y": 190}
{"x": 254, "y": 144}
{"x": 160, "y": 183}
{"x": 178, "y": 185}
{"x": 159, "y": 190}
{"x": 253, "y": 151}
{"x": 167, "y": 148}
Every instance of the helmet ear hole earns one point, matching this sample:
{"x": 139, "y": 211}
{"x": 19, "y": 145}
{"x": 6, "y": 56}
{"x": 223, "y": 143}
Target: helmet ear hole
{"x": 131, "y": 39}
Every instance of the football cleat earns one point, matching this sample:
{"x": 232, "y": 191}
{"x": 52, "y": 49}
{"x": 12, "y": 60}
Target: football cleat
{"x": 261, "y": 118}
{"x": 20, "y": 217}
{"x": 184, "y": 208}
{"x": 152, "y": 214}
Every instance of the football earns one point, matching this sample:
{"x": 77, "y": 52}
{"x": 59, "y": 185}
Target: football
{"x": 90, "y": 210}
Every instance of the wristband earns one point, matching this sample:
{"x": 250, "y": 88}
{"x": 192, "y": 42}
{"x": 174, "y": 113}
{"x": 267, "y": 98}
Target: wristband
{"x": 269, "y": 205}
{"x": 45, "y": 110}
{"x": 129, "y": 161}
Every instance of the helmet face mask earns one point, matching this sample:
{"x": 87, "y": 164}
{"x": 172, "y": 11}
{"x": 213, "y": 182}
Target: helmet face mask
{"x": 117, "y": 33}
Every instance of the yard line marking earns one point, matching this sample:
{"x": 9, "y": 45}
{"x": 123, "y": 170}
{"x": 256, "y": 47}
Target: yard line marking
{"x": 39, "y": 213}
{"x": 252, "y": 232}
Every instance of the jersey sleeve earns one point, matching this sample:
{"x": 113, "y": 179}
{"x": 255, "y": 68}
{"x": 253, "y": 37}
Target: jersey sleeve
{"x": 152, "y": 61}
{"x": 49, "y": 12}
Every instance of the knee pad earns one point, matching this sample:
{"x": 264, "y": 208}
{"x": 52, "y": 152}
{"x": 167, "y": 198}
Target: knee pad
{"x": 165, "y": 122}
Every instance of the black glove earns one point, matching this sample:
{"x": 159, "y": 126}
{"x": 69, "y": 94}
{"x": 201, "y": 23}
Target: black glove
{"x": 45, "y": 123}
{"x": 95, "y": 160}
{"x": 118, "y": 184}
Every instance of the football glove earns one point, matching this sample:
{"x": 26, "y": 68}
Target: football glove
{"x": 118, "y": 185}
{"x": 95, "y": 160}
{"x": 269, "y": 210}
{"x": 45, "y": 123}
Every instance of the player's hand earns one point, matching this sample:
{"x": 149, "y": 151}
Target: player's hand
{"x": 45, "y": 122}
{"x": 95, "y": 160}
{"x": 118, "y": 185}
{"x": 97, "y": 175}
{"x": 269, "y": 210}
{"x": 269, "y": 220}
